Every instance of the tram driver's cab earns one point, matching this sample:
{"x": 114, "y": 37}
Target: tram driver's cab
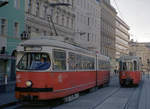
{"x": 33, "y": 59}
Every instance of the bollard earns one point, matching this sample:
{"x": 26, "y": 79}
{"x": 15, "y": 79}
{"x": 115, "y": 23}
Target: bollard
{"x": 6, "y": 79}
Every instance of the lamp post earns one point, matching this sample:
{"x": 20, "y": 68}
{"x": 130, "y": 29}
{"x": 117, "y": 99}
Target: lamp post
{"x": 3, "y": 3}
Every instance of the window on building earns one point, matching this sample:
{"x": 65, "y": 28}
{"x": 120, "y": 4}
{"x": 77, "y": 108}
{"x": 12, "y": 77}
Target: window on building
{"x": 45, "y": 11}
{"x": 72, "y": 23}
{"x": 37, "y": 8}
{"x": 16, "y": 29}
{"x": 88, "y": 37}
{"x": 57, "y": 17}
{"x": 63, "y": 20}
{"x": 30, "y": 6}
{"x": 72, "y": 3}
{"x": 37, "y": 30}
{"x": 68, "y": 1}
{"x": 44, "y": 33}
{"x": 17, "y": 4}
{"x": 88, "y": 21}
{"x": 28, "y": 29}
{"x": 67, "y": 21}
{"x": 3, "y": 27}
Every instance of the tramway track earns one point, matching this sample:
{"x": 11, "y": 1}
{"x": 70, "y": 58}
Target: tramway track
{"x": 133, "y": 94}
{"x": 107, "y": 97}
{"x": 126, "y": 105}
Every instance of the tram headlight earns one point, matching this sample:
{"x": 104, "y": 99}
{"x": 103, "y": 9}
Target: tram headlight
{"x": 29, "y": 83}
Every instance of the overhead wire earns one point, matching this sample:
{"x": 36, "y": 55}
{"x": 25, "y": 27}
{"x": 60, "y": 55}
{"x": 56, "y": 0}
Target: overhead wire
{"x": 120, "y": 13}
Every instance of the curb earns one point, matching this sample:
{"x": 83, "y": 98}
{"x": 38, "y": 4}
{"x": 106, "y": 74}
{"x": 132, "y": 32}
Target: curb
{"x": 8, "y": 104}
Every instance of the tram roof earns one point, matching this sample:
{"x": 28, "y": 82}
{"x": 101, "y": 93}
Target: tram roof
{"x": 59, "y": 44}
{"x": 129, "y": 58}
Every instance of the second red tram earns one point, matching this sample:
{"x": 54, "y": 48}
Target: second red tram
{"x": 50, "y": 69}
{"x": 129, "y": 70}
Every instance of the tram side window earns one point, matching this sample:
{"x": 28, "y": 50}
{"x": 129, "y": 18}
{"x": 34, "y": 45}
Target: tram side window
{"x": 102, "y": 64}
{"x": 99, "y": 64}
{"x": 72, "y": 61}
{"x": 78, "y": 62}
{"x": 120, "y": 66}
{"x": 91, "y": 63}
{"x": 124, "y": 66}
{"x": 130, "y": 66}
{"x": 135, "y": 65}
{"x": 83, "y": 62}
{"x": 107, "y": 65}
{"x": 59, "y": 59}
{"x": 87, "y": 63}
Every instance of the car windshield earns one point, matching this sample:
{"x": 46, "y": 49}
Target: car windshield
{"x": 34, "y": 61}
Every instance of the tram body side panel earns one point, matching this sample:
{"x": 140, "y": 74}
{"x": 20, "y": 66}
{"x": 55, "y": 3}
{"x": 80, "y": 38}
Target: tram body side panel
{"x": 137, "y": 77}
{"x": 133, "y": 75}
{"x": 62, "y": 83}
{"x": 106, "y": 76}
{"x": 40, "y": 80}
{"x": 100, "y": 78}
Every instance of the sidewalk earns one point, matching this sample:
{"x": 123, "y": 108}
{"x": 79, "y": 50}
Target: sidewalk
{"x": 144, "y": 102}
{"x": 7, "y": 94}
{"x": 7, "y": 99}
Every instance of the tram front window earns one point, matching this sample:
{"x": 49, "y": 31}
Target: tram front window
{"x": 34, "y": 61}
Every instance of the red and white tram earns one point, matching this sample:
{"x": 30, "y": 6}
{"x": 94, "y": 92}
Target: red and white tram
{"x": 129, "y": 70}
{"x": 50, "y": 69}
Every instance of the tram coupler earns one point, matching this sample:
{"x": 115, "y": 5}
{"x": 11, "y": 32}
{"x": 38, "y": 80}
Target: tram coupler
{"x": 128, "y": 81}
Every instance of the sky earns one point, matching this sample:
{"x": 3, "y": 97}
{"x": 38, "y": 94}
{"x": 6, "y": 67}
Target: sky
{"x": 136, "y": 13}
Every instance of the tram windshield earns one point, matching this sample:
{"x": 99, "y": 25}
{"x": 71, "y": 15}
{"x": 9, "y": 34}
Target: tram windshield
{"x": 34, "y": 61}
{"x": 129, "y": 65}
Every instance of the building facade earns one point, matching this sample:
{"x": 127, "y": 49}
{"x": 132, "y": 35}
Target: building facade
{"x": 122, "y": 38}
{"x": 108, "y": 25}
{"x": 87, "y": 23}
{"x": 11, "y": 26}
{"x": 39, "y": 12}
{"x": 141, "y": 50}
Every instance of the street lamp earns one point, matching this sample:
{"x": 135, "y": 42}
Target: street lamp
{"x": 3, "y": 3}
{"x": 50, "y": 19}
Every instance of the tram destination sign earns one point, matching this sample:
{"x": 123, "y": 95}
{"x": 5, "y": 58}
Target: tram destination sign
{"x": 32, "y": 48}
